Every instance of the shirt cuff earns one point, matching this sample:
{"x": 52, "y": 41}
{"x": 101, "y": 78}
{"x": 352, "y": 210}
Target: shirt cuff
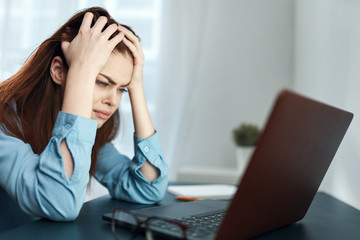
{"x": 149, "y": 149}
{"x": 85, "y": 128}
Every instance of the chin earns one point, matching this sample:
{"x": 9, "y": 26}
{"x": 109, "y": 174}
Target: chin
{"x": 100, "y": 124}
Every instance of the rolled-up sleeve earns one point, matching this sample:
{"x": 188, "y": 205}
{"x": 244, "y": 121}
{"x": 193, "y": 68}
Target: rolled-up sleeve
{"x": 123, "y": 177}
{"x": 38, "y": 183}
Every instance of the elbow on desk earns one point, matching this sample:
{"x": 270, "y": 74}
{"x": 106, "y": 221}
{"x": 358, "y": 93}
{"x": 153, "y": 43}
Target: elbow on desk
{"x": 140, "y": 198}
{"x": 149, "y": 193}
{"x": 49, "y": 196}
{"x": 155, "y": 196}
{"x": 66, "y": 214}
{"x": 65, "y": 207}
{"x": 154, "y": 191}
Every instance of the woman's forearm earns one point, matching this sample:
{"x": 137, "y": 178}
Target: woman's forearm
{"x": 79, "y": 91}
{"x": 78, "y": 98}
{"x": 143, "y": 125}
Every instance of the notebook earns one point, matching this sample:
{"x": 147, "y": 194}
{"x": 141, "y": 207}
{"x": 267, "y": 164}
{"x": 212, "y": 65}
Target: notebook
{"x": 293, "y": 153}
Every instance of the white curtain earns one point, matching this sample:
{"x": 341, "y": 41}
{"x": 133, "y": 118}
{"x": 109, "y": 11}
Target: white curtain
{"x": 181, "y": 45}
{"x": 327, "y": 67}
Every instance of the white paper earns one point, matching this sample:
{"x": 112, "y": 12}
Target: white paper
{"x": 208, "y": 191}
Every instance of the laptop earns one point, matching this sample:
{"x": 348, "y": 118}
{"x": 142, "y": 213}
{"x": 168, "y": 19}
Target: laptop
{"x": 291, "y": 158}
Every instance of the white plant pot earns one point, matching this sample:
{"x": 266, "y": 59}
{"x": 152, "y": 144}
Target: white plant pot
{"x": 243, "y": 155}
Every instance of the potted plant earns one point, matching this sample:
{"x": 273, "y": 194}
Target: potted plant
{"x": 245, "y": 137}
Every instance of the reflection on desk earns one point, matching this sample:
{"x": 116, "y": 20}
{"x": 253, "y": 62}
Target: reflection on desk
{"x": 328, "y": 218}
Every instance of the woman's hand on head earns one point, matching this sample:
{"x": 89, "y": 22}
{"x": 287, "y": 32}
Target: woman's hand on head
{"x": 133, "y": 43}
{"x": 91, "y": 48}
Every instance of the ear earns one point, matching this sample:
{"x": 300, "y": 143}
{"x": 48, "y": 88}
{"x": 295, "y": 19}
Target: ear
{"x": 57, "y": 71}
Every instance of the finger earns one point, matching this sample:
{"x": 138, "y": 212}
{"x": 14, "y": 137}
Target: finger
{"x": 110, "y": 30}
{"x": 86, "y": 23}
{"x": 100, "y": 24}
{"x": 130, "y": 36}
{"x": 137, "y": 55}
{"x": 117, "y": 39}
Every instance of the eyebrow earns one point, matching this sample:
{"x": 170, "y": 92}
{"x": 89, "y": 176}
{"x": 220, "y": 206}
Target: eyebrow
{"x": 111, "y": 81}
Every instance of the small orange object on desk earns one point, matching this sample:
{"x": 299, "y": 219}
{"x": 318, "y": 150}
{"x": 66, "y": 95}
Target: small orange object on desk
{"x": 187, "y": 198}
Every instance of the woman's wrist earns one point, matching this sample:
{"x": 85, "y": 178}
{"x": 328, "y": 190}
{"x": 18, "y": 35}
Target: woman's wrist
{"x": 134, "y": 88}
{"x": 79, "y": 89}
{"x": 141, "y": 117}
{"x": 83, "y": 71}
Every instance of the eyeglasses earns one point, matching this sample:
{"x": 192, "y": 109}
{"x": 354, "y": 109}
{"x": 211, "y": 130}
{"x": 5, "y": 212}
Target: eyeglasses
{"x": 138, "y": 222}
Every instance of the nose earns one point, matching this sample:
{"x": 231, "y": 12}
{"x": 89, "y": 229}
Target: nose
{"x": 112, "y": 97}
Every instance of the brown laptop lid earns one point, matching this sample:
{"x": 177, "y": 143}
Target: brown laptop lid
{"x": 292, "y": 156}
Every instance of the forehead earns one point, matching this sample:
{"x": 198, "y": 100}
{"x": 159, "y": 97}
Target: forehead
{"x": 119, "y": 68}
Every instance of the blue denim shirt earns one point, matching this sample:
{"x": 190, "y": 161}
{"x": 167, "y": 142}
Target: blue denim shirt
{"x": 33, "y": 186}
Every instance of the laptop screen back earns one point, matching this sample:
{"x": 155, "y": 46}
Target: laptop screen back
{"x": 292, "y": 156}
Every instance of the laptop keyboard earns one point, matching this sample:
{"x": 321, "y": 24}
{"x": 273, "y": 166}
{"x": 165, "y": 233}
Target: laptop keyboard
{"x": 201, "y": 225}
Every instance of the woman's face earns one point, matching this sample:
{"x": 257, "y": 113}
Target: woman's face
{"x": 110, "y": 84}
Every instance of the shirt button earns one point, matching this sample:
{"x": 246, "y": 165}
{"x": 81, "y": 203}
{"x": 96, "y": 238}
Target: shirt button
{"x": 146, "y": 149}
{"x": 68, "y": 126}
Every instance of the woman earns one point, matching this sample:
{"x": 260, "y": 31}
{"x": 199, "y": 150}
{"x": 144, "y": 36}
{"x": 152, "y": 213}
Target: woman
{"x": 59, "y": 113}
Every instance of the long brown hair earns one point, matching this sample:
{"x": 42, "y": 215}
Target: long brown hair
{"x": 30, "y": 100}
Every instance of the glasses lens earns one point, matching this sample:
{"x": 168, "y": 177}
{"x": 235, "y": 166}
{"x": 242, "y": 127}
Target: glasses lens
{"x": 123, "y": 223}
{"x": 159, "y": 227}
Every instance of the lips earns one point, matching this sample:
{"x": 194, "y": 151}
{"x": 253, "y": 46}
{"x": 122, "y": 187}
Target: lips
{"x": 102, "y": 114}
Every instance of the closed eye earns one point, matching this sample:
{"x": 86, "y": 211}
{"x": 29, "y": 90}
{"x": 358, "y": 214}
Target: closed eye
{"x": 122, "y": 90}
{"x": 103, "y": 84}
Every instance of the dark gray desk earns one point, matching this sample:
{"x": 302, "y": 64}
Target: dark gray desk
{"x": 327, "y": 218}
